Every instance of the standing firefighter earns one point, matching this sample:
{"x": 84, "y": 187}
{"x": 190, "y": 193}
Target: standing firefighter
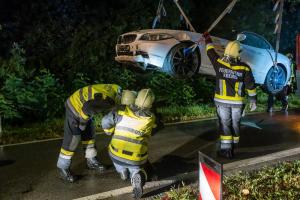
{"x": 131, "y": 127}
{"x": 80, "y": 107}
{"x": 233, "y": 78}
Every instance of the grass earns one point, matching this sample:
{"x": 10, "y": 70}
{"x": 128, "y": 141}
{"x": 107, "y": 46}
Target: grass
{"x": 34, "y": 131}
{"x": 200, "y": 111}
{"x": 280, "y": 182}
{"x": 54, "y": 128}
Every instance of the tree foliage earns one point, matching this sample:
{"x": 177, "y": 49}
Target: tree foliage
{"x": 51, "y": 48}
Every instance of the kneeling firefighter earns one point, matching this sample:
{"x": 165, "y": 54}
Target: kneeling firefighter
{"x": 80, "y": 107}
{"x": 131, "y": 127}
{"x": 233, "y": 79}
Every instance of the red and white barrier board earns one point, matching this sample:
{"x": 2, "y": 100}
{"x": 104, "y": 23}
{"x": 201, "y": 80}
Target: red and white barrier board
{"x": 210, "y": 178}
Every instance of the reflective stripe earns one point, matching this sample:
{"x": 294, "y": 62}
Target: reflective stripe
{"x": 229, "y": 98}
{"x": 111, "y": 130}
{"x": 65, "y": 152}
{"x": 232, "y": 102}
{"x": 236, "y": 89}
{"x": 209, "y": 46}
{"x": 119, "y": 137}
{"x": 65, "y": 156}
{"x": 233, "y": 67}
{"x": 131, "y": 162}
{"x": 224, "y": 88}
{"x": 240, "y": 88}
{"x": 89, "y": 92}
{"x": 236, "y": 139}
{"x": 240, "y": 68}
{"x": 129, "y": 153}
{"x": 226, "y": 137}
{"x": 131, "y": 130}
{"x": 81, "y": 96}
{"x": 88, "y": 142}
{"x": 221, "y": 86}
{"x": 225, "y": 146}
{"x": 224, "y": 63}
{"x": 252, "y": 93}
{"x": 70, "y": 106}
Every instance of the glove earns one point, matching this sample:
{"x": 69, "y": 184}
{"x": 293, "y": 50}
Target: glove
{"x": 207, "y": 37}
{"x": 253, "y": 106}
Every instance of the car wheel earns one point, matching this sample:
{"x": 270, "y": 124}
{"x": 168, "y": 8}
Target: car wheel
{"x": 180, "y": 64}
{"x": 276, "y": 79}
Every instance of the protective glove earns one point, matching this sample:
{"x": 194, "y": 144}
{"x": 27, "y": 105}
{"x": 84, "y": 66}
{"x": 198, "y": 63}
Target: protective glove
{"x": 207, "y": 37}
{"x": 253, "y": 106}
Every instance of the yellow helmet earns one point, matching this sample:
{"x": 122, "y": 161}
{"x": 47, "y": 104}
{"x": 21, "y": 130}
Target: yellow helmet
{"x": 145, "y": 98}
{"x": 233, "y": 49}
{"x": 128, "y": 97}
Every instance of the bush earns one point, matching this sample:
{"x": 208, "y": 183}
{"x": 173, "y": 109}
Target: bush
{"x": 40, "y": 97}
{"x": 170, "y": 90}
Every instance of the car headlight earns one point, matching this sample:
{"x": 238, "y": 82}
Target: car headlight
{"x": 155, "y": 36}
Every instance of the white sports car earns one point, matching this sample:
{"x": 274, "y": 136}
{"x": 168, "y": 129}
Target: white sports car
{"x": 163, "y": 49}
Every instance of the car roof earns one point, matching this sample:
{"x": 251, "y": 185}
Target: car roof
{"x": 155, "y": 31}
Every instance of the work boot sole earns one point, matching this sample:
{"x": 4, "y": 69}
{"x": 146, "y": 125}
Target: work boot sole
{"x": 136, "y": 182}
{"x": 72, "y": 179}
{"x": 100, "y": 169}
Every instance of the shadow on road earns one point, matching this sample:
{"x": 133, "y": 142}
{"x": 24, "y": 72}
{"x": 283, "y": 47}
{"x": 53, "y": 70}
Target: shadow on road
{"x": 6, "y": 162}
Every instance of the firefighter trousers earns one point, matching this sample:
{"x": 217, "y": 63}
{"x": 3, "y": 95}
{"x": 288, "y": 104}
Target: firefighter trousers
{"x": 229, "y": 125}
{"x": 72, "y": 137}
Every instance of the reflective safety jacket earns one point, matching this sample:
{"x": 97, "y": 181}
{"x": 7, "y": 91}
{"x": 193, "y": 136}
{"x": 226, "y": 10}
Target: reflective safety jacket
{"x": 131, "y": 129}
{"x": 233, "y": 79}
{"x": 90, "y": 100}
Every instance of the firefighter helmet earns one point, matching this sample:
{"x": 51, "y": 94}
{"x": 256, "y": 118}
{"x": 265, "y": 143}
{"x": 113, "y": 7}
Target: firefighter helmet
{"x": 233, "y": 49}
{"x": 128, "y": 97}
{"x": 145, "y": 98}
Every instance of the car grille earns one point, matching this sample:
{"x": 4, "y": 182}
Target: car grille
{"x": 124, "y": 50}
{"x": 126, "y": 39}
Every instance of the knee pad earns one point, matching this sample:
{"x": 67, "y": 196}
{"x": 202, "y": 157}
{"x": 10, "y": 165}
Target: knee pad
{"x": 90, "y": 152}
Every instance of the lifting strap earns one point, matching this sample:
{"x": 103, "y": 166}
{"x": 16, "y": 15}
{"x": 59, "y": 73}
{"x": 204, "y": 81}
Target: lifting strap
{"x": 161, "y": 11}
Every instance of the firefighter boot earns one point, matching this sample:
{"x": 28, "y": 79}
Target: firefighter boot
{"x": 94, "y": 164}
{"x": 226, "y": 153}
{"x": 63, "y": 165}
{"x": 137, "y": 182}
{"x": 67, "y": 175}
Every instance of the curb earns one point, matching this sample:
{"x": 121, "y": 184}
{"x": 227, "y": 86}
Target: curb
{"x": 229, "y": 169}
{"x": 258, "y": 162}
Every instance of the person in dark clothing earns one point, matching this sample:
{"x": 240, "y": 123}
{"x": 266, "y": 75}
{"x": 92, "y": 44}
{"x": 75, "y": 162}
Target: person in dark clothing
{"x": 281, "y": 96}
{"x": 80, "y": 108}
{"x": 233, "y": 79}
{"x": 289, "y": 88}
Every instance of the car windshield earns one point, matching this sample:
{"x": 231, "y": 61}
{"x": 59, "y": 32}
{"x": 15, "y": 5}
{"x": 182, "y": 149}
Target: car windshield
{"x": 255, "y": 40}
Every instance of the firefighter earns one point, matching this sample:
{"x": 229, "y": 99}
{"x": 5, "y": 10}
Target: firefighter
{"x": 233, "y": 79}
{"x": 80, "y": 107}
{"x": 131, "y": 127}
{"x": 283, "y": 95}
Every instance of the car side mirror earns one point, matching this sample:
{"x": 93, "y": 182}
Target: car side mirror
{"x": 241, "y": 37}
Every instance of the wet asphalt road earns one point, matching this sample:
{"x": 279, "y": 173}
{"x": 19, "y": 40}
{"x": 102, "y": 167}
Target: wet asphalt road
{"x": 29, "y": 171}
